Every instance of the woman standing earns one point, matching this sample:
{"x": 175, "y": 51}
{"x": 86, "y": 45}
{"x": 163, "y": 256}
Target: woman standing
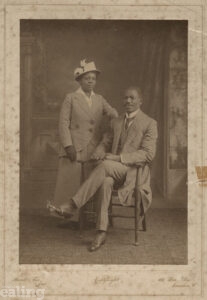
{"x": 80, "y": 122}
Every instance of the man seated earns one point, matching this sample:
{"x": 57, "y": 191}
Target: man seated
{"x": 132, "y": 142}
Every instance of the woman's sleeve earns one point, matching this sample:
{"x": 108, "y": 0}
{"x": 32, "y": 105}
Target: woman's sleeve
{"x": 108, "y": 110}
{"x": 64, "y": 122}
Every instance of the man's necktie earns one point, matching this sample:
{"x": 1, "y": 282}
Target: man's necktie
{"x": 128, "y": 122}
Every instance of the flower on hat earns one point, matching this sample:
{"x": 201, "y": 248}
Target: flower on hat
{"x": 78, "y": 71}
{"x": 83, "y": 63}
{"x": 84, "y": 68}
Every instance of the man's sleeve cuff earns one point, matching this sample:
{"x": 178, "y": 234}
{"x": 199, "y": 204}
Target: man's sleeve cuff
{"x": 121, "y": 157}
{"x": 67, "y": 145}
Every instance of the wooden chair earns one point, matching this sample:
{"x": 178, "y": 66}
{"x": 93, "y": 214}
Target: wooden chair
{"x": 139, "y": 215}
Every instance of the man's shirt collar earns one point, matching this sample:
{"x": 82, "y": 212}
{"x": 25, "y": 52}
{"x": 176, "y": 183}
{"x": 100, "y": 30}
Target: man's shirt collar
{"x": 132, "y": 114}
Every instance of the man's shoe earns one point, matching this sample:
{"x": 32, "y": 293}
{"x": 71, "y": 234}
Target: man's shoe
{"x": 98, "y": 241}
{"x": 65, "y": 210}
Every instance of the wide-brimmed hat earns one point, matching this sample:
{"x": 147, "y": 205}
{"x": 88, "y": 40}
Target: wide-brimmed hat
{"x": 85, "y": 68}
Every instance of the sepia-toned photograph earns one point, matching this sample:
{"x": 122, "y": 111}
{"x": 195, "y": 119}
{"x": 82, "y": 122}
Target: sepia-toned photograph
{"x": 103, "y": 142}
{"x": 102, "y": 126}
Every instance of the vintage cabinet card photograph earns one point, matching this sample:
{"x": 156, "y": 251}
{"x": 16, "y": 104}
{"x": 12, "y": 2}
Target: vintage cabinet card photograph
{"x": 103, "y": 149}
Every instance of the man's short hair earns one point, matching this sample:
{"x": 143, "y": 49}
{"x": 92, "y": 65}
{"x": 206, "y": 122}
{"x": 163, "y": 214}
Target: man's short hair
{"x": 137, "y": 89}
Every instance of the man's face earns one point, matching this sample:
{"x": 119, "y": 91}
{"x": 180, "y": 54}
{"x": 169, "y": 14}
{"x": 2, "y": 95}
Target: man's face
{"x": 132, "y": 100}
{"x": 88, "y": 81}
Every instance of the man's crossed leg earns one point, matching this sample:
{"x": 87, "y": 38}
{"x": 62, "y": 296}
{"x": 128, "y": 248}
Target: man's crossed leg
{"x": 101, "y": 180}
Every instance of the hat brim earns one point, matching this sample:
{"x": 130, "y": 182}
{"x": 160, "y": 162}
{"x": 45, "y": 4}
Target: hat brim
{"x": 78, "y": 76}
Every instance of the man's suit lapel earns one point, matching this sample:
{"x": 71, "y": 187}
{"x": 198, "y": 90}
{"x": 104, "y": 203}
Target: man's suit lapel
{"x": 134, "y": 129}
{"x": 117, "y": 133}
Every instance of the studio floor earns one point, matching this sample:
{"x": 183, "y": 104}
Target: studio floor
{"x": 42, "y": 241}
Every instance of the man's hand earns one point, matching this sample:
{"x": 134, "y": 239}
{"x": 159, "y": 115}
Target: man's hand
{"x": 98, "y": 155}
{"x": 113, "y": 157}
{"x": 71, "y": 152}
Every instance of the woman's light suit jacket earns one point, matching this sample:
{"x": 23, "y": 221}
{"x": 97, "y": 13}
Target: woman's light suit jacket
{"x": 80, "y": 124}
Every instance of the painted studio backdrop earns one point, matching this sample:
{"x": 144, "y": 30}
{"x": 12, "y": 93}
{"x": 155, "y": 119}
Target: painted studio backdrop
{"x": 151, "y": 54}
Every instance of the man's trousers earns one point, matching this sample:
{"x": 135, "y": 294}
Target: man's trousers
{"x": 101, "y": 180}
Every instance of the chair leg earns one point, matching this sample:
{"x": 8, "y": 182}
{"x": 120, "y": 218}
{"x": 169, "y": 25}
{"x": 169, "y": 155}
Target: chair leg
{"x": 81, "y": 220}
{"x": 110, "y": 215}
{"x": 144, "y": 224}
{"x": 139, "y": 212}
{"x": 111, "y": 224}
{"x": 136, "y": 229}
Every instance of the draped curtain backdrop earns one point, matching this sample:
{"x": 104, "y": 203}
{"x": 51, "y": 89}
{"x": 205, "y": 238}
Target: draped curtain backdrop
{"x": 128, "y": 52}
{"x": 153, "y": 79}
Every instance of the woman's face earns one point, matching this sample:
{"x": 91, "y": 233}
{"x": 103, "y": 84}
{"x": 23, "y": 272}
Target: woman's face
{"x": 88, "y": 81}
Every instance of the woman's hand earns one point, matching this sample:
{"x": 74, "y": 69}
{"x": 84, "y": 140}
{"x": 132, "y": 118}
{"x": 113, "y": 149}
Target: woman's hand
{"x": 113, "y": 157}
{"x": 71, "y": 153}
